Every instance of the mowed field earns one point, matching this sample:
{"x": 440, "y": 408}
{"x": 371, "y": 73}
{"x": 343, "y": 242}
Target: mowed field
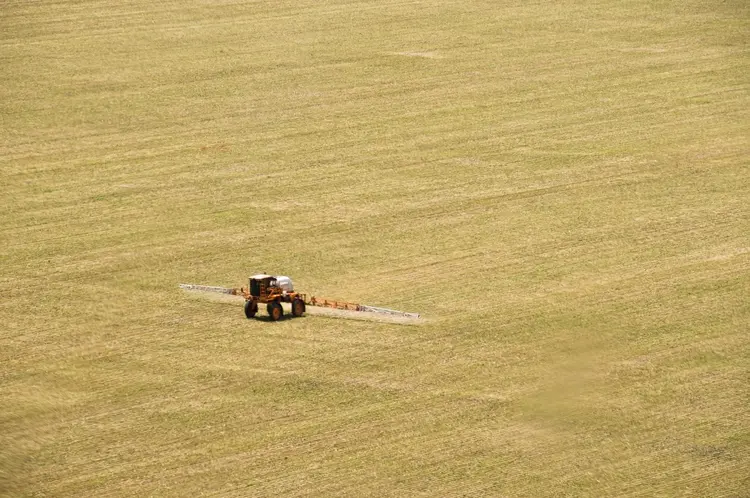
{"x": 562, "y": 189}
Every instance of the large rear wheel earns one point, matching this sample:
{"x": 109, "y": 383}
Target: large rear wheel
{"x": 275, "y": 311}
{"x": 298, "y": 307}
{"x": 251, "y": 308}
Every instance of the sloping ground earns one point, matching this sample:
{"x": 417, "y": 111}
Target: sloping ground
{"x": 560, "y": 189}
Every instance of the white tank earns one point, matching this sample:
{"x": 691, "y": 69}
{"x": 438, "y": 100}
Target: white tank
{"x": 285, "y": 283}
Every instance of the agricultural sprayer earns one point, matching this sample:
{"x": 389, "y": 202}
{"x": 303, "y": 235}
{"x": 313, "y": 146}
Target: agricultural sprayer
{"x": 274, "y": 290}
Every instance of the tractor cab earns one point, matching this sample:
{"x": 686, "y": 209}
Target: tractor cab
{"x": 261, "y": 284}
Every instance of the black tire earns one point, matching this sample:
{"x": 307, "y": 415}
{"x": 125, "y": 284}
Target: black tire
{"x": 298, "y": 307}
{"x": 251, "y": 308}
{"x": 275, "y": 311}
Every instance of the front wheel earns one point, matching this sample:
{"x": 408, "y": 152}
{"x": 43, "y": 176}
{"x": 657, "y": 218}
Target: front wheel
{"x": 298, "y": 307}
{"x": 251, "y": 308}
{"x": 275, "y": 311}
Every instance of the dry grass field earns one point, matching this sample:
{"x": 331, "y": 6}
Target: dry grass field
{"x": 562, "y": 189}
